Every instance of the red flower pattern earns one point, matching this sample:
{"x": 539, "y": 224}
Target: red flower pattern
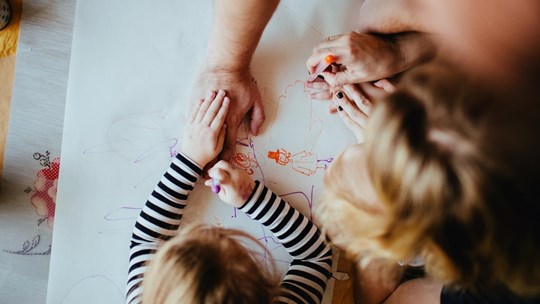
{"x": 45, "y": 186}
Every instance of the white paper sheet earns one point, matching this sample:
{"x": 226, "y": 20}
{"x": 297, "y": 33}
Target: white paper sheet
{"x": 132, "y": 69}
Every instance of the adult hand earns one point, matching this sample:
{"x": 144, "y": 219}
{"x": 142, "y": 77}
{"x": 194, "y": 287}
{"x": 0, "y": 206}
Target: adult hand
{"x": 205, "y": 130}
{"x": 321, "y": 90}
{"x": 363, "y": 57}
{"x": 244, "y": 97}
{"x": 353, "y": 113}
{"x": 236, "y": 185}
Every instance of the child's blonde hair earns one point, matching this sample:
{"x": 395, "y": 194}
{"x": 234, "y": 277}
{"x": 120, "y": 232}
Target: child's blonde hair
{"x": 456, "y": 172}
{"x": 205, "y": 264}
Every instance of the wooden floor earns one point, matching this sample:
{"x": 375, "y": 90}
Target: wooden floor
{"x": 343, "y": 291}
{"x": 8, "y": 48}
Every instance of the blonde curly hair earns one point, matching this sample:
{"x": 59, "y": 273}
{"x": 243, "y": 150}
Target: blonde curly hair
{"x": 456, "y": 173}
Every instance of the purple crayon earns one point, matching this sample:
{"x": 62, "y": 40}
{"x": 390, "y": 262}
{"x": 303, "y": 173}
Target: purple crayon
{"x": 215, "y": 186}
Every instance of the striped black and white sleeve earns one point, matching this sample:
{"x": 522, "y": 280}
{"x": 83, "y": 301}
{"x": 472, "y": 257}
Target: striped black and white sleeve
{"x": 159, "y": 220}
{"x": 310, "y": 269}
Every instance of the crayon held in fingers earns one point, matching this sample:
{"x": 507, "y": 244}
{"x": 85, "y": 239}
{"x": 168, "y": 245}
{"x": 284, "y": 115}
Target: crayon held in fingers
{"x": 215, "y": 186}
{"x": 323, "y": 65}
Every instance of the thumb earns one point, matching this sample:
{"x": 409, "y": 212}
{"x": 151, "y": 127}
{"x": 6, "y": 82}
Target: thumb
{"x": 229, "y": 144}
{"x": 336, "y": 79}
{"x": 221, "y": 136}
{"x": 218, "y": 175}
{"x": 257, "y": 117}
{"x": 386, "y": 85}
{"x": 222, "y": 165}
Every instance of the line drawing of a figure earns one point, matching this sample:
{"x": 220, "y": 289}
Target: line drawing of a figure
{"x": 305, "y": 162}
{"x": 246, "y": 161}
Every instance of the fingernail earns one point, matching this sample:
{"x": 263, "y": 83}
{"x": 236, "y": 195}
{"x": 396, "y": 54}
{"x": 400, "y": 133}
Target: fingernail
{"x": 340, "y": 108}
{"x": 321, "y": 77}
{"x": 339, "y": 95}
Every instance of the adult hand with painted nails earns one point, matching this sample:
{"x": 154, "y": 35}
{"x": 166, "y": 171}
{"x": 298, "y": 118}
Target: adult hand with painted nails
{"x": 236, "y": 184}
{"x": 204, "y": 133}
{"x": 372, "y": 91}
{"x": 355, "y": 112}
{"x": 368, "y": 57}
{"x": 321, "y": 90}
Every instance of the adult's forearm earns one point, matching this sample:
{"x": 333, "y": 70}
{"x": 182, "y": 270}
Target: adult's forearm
{"x": 237, "y": 27}
{"x": 414, "y": 48}
{"x": 391, "y": 17}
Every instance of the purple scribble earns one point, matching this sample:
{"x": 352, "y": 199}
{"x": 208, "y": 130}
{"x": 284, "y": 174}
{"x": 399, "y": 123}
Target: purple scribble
{"x": 308, "y": 199}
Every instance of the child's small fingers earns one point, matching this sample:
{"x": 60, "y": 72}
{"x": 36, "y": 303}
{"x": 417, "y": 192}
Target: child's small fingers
{"x": 325, "y": 95}
{"x": 220, "y": 116}
{"x": 386, "y": 85}
{"x": 317, "y": 85}
{"x": 332, "y": 108}
{"x": 358, "y": 97}
{"x": 223, "y": 165}
{"x": 218, "y": 175}
{"x": 215, "y": 106}
{"x": 204, "y": 106}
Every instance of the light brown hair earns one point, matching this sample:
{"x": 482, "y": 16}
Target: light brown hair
{"x": 205, "y": 264}
{"x": 456, "y": 171}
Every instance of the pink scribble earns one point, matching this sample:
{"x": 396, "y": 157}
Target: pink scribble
{"x": 45, "y": 186}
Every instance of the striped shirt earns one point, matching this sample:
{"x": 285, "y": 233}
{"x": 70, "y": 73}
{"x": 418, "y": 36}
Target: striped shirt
{"x": 308, "y": 273}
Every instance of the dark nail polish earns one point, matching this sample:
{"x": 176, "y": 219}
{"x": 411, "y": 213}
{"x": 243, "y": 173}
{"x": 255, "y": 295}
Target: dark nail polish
{"x": 339, "y": 95}
{"x": 340, "y": 108}
{"x": 321, "y": 77}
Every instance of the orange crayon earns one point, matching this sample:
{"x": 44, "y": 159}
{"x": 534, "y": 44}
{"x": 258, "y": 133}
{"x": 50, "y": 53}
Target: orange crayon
{"x": 328, "y": 60}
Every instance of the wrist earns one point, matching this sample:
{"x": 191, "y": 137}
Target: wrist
{"x": 412, "y": 49}
{"x": 192, "y": 156}
{"x": 253, "y": 186}
{"x": 215, "y": 63}
{"x": 227, "y": 72}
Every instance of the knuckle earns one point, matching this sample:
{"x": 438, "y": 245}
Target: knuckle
{"x": 365, "y": 101}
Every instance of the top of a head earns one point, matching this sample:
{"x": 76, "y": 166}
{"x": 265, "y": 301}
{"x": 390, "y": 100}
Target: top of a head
{"x": 457, "y": 168}
{"x": 205, "y": 264}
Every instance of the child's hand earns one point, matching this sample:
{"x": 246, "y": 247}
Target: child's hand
{"x": 236, "y": 185}
{"x": 205, "y": 132}
{"x": 319, "y": 89}
{"x": 354, "y": 114}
